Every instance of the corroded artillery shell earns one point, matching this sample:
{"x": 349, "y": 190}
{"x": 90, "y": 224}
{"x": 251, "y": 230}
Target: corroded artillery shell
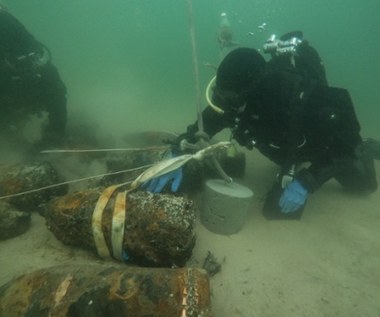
{"x": 107, "y": 290}
{"x": 129, "y": 160}
{"x": 15, "y": 179}
{"x": 158, "y": 229}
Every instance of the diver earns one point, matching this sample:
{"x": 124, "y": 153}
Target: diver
{"x": 30, "y": 87}
{"x": 285, "y": 108}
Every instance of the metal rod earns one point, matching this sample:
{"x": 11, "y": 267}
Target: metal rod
{"x": 195, "y": 65}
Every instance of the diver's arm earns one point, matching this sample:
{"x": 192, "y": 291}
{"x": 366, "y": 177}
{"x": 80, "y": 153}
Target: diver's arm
{"x": 213, "y": 123}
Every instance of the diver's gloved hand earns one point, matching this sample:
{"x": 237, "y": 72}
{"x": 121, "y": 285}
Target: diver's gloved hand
{"x": 293, "y": 197}
{"x": 157, "y": 184}
{"x": 174, "y": 178}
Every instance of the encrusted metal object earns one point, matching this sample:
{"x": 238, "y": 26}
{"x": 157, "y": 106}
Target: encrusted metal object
{"x": 15, "y": 179}
{"x": 158, "y": 228}
{"x": 12, "y": 221}
{"x": 108, "y": 290}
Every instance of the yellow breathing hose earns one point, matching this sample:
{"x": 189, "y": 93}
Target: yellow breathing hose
{"x": 211, "y": 104}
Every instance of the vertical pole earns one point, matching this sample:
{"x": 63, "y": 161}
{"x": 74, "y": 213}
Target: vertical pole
{"x": 195, "y": 66}
{"x": 197, "y": 87}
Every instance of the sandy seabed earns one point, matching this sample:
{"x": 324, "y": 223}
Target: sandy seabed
{"x": 326, "y": 264}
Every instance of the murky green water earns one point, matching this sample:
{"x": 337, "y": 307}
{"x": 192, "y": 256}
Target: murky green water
{"x": 128, "y": 60}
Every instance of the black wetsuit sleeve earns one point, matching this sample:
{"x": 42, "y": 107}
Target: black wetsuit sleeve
{"x": 213, "y": 122}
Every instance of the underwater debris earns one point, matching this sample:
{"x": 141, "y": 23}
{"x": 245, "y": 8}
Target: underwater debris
{"x": 12, "y": 222}
{"x": 262, "y": 27}
{"x": 211, "y": 265}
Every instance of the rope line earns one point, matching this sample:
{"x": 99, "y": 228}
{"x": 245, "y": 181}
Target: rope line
{"x": 74, "y": 181}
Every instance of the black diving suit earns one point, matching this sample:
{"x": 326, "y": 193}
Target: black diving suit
{"x": 29, "y": 83}
{"x": 293, "y": 117}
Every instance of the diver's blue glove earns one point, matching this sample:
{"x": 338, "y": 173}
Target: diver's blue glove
{"x": 157, "y": 184}
{"x": 293, "y": 197}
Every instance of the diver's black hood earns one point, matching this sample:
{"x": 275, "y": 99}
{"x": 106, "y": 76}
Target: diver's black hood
{"x": 239, "y": 69}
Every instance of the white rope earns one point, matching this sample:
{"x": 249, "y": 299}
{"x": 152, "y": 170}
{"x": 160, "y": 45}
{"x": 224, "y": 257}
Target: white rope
{"x": 153, "y": 148}
{"x": 74, "y": 181}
